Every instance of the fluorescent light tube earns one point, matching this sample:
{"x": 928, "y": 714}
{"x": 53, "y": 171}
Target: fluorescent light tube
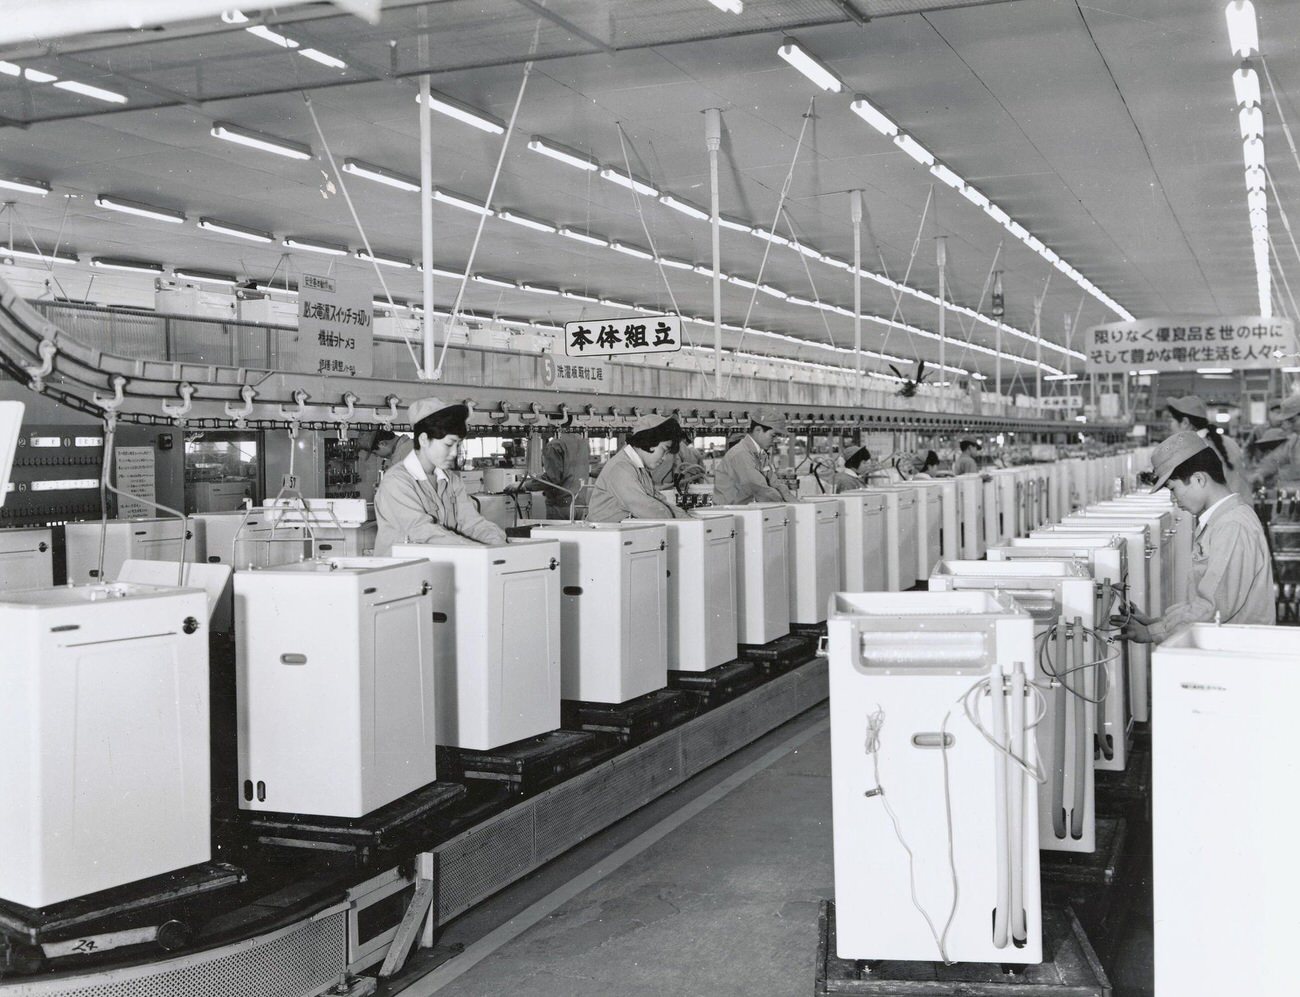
{"x": 38, "y": 187}
{"x": 729, "y": 6}
{"x": 677, "y": 264}
{"x": 263, "y": 285}
{"x": 527, "y": 222}
{"x": 274, "y": 37}
{"x": 313, "y": 246}
{"x": 1251, "y": 122}
{"x": 1060, "y": 377}
{"x": 399, "y": 262}
{"x": 810, "y": 66}
{"x": 132, "y": 266}
{"x": 138, "y": 208}
{"x": 997, "y": 214}
{"x": 10, "y": 69}
{"x": 316, "y": 55}
{"x": 463, "y": 112}
{"x": 838, "y": 264}
{"x": 808, "y": 251}
{"x": 748, "y": 285}
{"x": 914, "y": 149}
{"x": 1214, "y": 370}
{"x": 1256, "y": 201}
{"x": 802, "y": 301}
{"x": 541, "y": 289}
{"x": 735, "y": 224}
{"x": 576, "y": 296}
{"x": 238, "y": 231}
{"x": 379, "y": 174}
{"x": 975, "y": 197}
{"x": 206, "y": 277}
{"x": 1245, "y": 84}
{"x": 444, "y": 272}
{"x": 496, "y": 281}
{"x": 630, "y": 250}
{"x": 562, "y": 153}
{"x": 1049, "y": 254}
{"x": 1034, "y": 243}
{"x": 685, "y": 207}
{"x": 31, "y": 254}
{"x": 1018, "y": 230}
{"x": 233, "y": 16}
{"x": 1254, "y": 178}
{"x": 873, "y": 116}
{"x": 630, "y": 182}
{"x": 772, "y": 237}
{"x": 1148, "y": 373}
{"x": 461, "y": 201}
{"x": 589, "y": 239}
{"x": 775, "y": 292}
{"x": 257, "y": 140}
{"x": 86, "y": 90}
{"x": 1243, "y": 34}
{"x": 37, "y": 76}
{"x": 948, "y": 176}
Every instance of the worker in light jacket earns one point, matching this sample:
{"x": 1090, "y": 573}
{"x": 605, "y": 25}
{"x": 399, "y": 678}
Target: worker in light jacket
{"x": 1281, "y": 466}
{"x": 745, "y": 473}
{"x": 566, "y": 466}
{"x": 625, "y": 488}
{"x": 1189, "y": 414}
{"x": 1232, "y": 575}
{"x": 853, "y": 475}
{"x": 965, "y": 462}
{"x": 422, "y": 499}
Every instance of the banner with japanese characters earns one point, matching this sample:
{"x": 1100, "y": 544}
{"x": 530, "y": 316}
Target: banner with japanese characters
{"x": 575, "y": 373}
{"x": 1180, "y": 342}
{"x": 335, "y": 326}
{"x": 623, "y": 337}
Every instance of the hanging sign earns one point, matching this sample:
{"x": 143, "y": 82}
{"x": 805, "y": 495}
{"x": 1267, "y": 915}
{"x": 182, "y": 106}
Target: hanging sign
{"x": 134, "y": 468}
{"x": 575, "y": 373}
{"x": 335, "y": 326}
{"x": 623, "y": 337}
{"x": 1179, "y": 342}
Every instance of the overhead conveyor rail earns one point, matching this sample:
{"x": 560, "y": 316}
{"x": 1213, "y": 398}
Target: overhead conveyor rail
{"x": 41, "y": 355}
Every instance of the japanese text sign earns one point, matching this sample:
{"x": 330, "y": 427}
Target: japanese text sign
{"x": 1177, "y": 342}
{"x": 623, "y": 337}
{"x": 335, "y": 326}
{"x": 575, "y": 373}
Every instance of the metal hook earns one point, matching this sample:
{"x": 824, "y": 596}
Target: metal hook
{"x": 110, "y": 405}
{"x": 240, "y": 414}
{"x": 350, "y": 400}
{"x": 47, "y": 351}
{"x": 469, "y": 406}
{"x": 387, "y": 420}
{"x": 532, "y": 414}
{"x": 502, "y": 414}
{"x": 300, "y": 406}
{"x": 186, "y": 391}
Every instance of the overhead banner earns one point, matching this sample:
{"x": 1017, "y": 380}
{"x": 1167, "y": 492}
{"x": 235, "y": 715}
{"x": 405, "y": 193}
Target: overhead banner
{"x": 1177, "y": 342}
{"x": 575, "y": 373}
{"x": 335, "y": 326}
{"x": 623, "y": 337}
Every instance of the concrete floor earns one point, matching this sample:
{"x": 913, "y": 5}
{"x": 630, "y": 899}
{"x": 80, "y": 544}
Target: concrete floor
{"x": 705, "y": 893}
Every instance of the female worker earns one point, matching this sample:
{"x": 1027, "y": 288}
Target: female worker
{"x": 853, "y": 476}
{"x": 1188, "y": 414}
{"x": 625, "y": 489}
{"x": 422, "y": 499}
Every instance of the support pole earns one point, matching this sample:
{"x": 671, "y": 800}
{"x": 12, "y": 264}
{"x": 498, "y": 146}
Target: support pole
{"x": 713, "y": 140}
{"x": 941, "y": 257}
{"x": 855, "y": 211}
{"x": 999, "y": 309}
{"x": 426, "y": 226}
{"x": 1038, "y": 353}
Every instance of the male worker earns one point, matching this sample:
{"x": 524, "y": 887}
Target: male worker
{"x": 422, "y": 499}
{"x": 745, "y": 473}
{"x": 965, "y": 462}
{"x": 1232, "y": 575}
{"x": 377, "y": 452}
{"x": 625, "y": 489}
{"x": 1282, "y": 465}
{"x": 1189, "y": 414}
{"x": 566, "y": 467}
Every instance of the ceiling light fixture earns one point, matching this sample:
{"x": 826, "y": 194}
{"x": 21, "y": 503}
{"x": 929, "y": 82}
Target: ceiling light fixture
{"x": 729, "y": 6}
{"x": 380, "y": 174}
{"x": 685, "y": 207}
{"x": 496, "y": 281}
{"x": 761, "y": 233}
{"x": 257, "y": 140}
{"x": 1254, "y": 178}
{"x": 812, "y": 67}
{"x": 132, "y": 266}
{"x": 1245, "y": 84}
{"x": 37, "y": 76}
{"x": 1243, "y": 34}
{"x": 630, "y": 182}
{"x": 948, "y": 176}
{"x": 315, "y": 246}
{"x": 735, "y": 224}
{"x": 463, "y": 112}
{"x": 576, "y": 296}
{"x": 527, "y": 222}
{"x": 1251, "y": 121}
{"x": 461, "y": 201}
{"x": 562, "y": 153}
{"x": 316, "y": 55}
{"x": 234, "y": 16}
{"x": 630, "y": 250}
{"x": 138, "y": 208}
{"x": 384, "y": 259}
{"x": 975, "y": 197}
{"x": 238, "y": 231}
{"x": 541, "y": 289}
{"x": 997, "y": 214}
{"x": 914, "y": 149}
{"x": 1214, "y": 370}
{"x": 587, "y": 237}
{"x": 274, "y": 37}
{"x": 873, "y": 116}
{"x": 206, "y": 277}
{"x": 35, "y": 254}
{"x": 677, "y": 264}
{"x": 38, "y": 187}
{"x": 86, "y": 90}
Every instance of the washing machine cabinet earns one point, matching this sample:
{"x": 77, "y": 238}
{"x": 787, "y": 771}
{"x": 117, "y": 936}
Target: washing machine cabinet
{"x": 334, "y": 684}
{"x": 900, "y": 534}
{"x": 496, "y": 640}
{"x": 613, "y": 609}
{"x": 902, "y": 660}
{"x": 1179, "y": 535}
{"x": 970, "y": 487}
{"x": 138, "y": 539}
{"x": 498, "y": 509}
{"x": 336, "y": 527}
{"x": 862, "y": 536}
{"x": 949, "y": 519}
{"x": 1107, "y": 559}
{"x": 702, "y": 623}
{"x": 762, "y": 568}
{"x": 104, "y": 731}
{"x": 815, "y": 557}
{"x": 1061, "y": 597}
{"x": 1225, "y": 867}
{"x": 220, "y": 530}
{"x": 26, "y": 559}
{"x": 1008, "y": 487}
{"x": 1168, "y": 585}
{"x": 929, "y": 526}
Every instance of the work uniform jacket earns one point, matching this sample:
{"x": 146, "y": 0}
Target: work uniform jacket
{"x": 847, "y": 481}
{"x": 411, "y": 507}
{"x": 965, "y": 464}
{"x": 566, "y": 461}
{"x": 745, "y": 475}
{"x": 625, "y": 490}
{"x": 1281, "y": 465}
{"x": 1232, "y": 574}
{"x": 1235, "y": 476}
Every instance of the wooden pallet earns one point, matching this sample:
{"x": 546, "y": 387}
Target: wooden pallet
{"x": 1100, "y": 867}
{"x": 527, "y": 767}
{"x": 631, "y": 723}
{"x": 717, "y": 685}
{"x": 1070, "y": 968}
{"x": 1126, "y": 794}
{"x": 781, "y": 655}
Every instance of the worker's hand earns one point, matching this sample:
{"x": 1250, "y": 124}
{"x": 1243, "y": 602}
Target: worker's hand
{"x": 1136, "y": 632}
{"x": 1138, "y": 615}
{"x": 693, "y": 472}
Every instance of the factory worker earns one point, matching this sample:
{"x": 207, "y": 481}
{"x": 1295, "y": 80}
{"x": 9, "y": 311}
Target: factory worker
{"x": 422, "y": 499}
{"x": 1232, "y": 574}
{"x": 1188, "y": 414}
{"x": 625, "y": 488}
{"x": 1282, "y": 465}
{"x": 919, "y": 467}
{"x": 745, "y": 473}
{"x": 965, "y": 462}
{"x": 853, "y": 475}
{"x": 566, "y": 463}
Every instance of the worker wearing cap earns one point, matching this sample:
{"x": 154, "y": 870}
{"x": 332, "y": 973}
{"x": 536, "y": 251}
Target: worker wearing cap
{"x": 1282, "y": 465}
{"x": 1189, "y": 414}
{"x": 422, "y": 499}
{"x": 965, "y": 462}
{"x": 852, "y": 476}
{"x": 625, "y": 488}
{"x": 1232, "y": 576}
{"x": 566, "y": 467}
{"x": 745, "y": 474}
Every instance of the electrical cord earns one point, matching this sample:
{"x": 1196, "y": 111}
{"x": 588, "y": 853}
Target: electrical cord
{"x": 1047, "y": 666}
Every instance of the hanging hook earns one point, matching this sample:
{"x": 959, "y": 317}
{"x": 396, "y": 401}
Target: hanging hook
{"x": 300, "y": 406}
{"x": 47, "y": 351}
{"x": 387, "y": 420}
{"x": 179, "y": 412}
{"x": 350, "y": 400}
{"x": 111, "y": 405}
{"x": 240, "y": 414}
{"x": 532, "y": 414}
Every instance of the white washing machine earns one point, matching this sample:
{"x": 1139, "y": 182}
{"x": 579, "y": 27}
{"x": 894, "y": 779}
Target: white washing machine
{"x": 1167, "y": 586}
{"x": 104, "y": 734}
{"x": 138, "y": 539}
{"x": 862, "y": 539}
{"x": 613, "y": 609}
{"x": 900, "y": 534}
{"x": 929, "y": 526}
{"x": 949, "y": 519}
{"x": 26, "y": 559}
{"x": 336, "y": 527}
{"x": 762, "y": 568}
{"x": 899, "y": 662}
{"x": 1226, "y": 873}
{"x": 815, "y": 557}
{"x": 1056, "y": 594}
{"x": 496, "y": 640}
{"x": 1179, "y": 533}
{"x": 702, "y": 623}
{"x": 970, "y": 487}
{"x": 1008, "y": 486}
{"x": 334, "y": 684}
